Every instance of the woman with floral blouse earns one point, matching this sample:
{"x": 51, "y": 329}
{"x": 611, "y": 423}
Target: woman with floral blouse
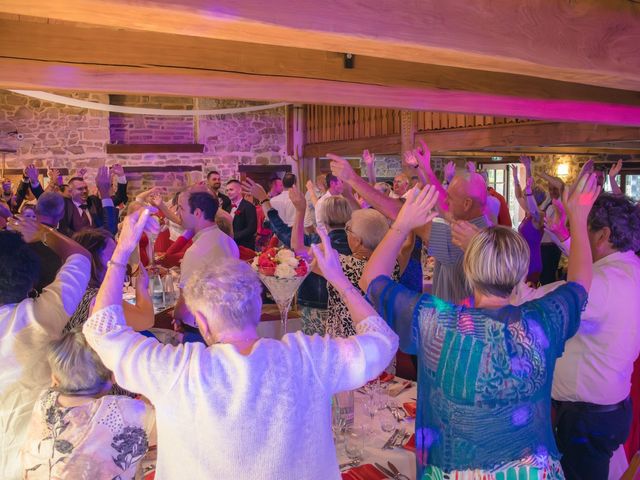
{"x": 77, "y": 431}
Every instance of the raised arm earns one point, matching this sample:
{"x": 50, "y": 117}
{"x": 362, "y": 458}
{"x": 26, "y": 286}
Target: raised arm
{"x": 579, "y": 205}
{"x": 346, "y": 363}
{"x": 297, "y": 231}
{"x": 370, "y": 161}
{"x": 416, "y": 211}
{"x": 139, "y": 363}
{"x": 341, "y": 168}
{"x": 312, "y": 192}
{"x": 411, "y": 160}
{"x": 423, "y": 155}
{"x": 613, "y": 173}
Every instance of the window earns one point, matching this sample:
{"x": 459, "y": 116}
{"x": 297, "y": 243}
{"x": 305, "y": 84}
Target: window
{"x": 632, "y": 186}
{"x": 499, "y": 177}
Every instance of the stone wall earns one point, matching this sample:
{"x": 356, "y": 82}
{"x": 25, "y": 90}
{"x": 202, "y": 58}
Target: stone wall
{"x": 131, "y": 129}
{"x": 74, "y": 138}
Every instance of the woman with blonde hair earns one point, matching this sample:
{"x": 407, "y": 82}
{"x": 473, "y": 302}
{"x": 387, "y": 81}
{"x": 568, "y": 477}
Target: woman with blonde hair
{"x": 77, "y": 430}
{"x": 485, "y": 373}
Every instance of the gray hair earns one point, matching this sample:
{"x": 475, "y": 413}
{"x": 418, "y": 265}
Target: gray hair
{"x": 76, "y": 366}
{"x": 622, "y": 216}
{"x": 336, "y": 213}
{"x": 227, "y": 292}
{"x": 51, "y": 205}
{"x": 496, "y": 260}
{"x": 370, "y": 226}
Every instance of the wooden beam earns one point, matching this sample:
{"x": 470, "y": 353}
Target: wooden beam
{"x": 534, "y": 134}
{"x": 72, "y": 44}
{"x": 168, "y": 168}
{"x": 117, "y": 148}
{"x": 37, "y": 75}
{"x": 387, "y": 145}
{"x": 593, "y": 42}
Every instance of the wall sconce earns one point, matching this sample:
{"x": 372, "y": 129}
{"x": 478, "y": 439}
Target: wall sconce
{"x": 562, "y": 169}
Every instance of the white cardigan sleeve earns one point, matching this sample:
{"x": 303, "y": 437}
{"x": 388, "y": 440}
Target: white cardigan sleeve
{"x": 58, "y": 301}
{"x": 347, "y": 363}
{"x": 140, "y": 364}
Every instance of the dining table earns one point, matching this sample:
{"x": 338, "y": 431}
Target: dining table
{"x": 402, "y": 457}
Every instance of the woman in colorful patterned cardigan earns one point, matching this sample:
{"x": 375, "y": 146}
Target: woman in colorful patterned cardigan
{"x": 485, "y": 373}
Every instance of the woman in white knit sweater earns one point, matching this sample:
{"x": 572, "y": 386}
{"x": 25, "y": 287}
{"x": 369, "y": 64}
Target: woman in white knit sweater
{"x": 239, "y": 407}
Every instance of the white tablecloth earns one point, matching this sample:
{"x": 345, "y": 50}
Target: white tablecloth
{"x": 402, "y": 458}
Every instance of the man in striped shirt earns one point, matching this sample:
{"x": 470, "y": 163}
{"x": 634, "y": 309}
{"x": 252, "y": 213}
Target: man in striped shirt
{"x": 465, "y": 200}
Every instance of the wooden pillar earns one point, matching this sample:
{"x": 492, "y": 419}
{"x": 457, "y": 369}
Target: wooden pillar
{"x": 408, "y": 128}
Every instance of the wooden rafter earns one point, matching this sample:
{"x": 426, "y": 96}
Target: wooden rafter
{"x": 74, "y": 57}
{"x": 533, "y": 138}
{"x": 591, "y": 42}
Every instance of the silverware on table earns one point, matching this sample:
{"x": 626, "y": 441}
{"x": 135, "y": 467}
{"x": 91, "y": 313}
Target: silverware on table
{"x": 388, "y": 444}
{"x": 384, "y": 470}
{"x": 396, "y": 473}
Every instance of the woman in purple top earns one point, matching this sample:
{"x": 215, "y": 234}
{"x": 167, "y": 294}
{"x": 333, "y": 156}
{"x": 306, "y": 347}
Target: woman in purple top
{"x": 532, "y": 227}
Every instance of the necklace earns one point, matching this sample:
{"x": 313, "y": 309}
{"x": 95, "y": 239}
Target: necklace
{"x": 238, "y": 340}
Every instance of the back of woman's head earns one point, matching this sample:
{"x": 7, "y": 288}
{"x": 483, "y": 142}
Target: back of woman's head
{"x": 227, "y": 292}
{"x": 94, "y": 240}
{"x": 76, "y": 367}
{"x": 496, "y": 260}
{"x": 370, "y": 226}
{"x": 19, "y": 268}
{"x": 622, "y": 216}
{"x": 337, "y": 212}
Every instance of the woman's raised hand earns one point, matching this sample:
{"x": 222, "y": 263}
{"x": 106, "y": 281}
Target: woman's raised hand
{"x": 327, "y": 259}
{"x": 418, "y": 209}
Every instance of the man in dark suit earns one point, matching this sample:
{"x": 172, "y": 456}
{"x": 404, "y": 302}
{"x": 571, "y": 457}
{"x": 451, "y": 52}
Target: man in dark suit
{"x": 245, "y": 219}
{"x": 83, "y": 210}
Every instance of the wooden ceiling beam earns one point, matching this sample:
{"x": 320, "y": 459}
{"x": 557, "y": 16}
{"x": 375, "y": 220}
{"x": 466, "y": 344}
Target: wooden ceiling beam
{"x": 64, "y": 43}
{"x": 591, "y": 42}
{"x": 525, "y": 135}
{"x": 388, "y": 145}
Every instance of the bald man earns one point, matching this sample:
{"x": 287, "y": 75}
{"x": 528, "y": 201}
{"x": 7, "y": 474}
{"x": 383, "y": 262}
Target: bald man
{"x": 466, "y": 199}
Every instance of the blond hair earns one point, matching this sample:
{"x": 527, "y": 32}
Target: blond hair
{"x": 228, "y": 293}
{"x": 337, "y": 212}
{"x": 496, "y": 260}
{"x": 76, "y": 366}
{"x": 370, "y": 226}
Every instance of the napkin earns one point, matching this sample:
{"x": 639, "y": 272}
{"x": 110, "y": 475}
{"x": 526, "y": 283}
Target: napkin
{"x": 410, "y": 408}
{"x": 411, "y": 444}
{"x": 364, "y": 472}
{"x": 397, "y": 388}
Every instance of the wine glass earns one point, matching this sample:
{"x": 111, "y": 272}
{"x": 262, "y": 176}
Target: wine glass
{"x": 371, "y": 408}
{"x": 354, "y": 444}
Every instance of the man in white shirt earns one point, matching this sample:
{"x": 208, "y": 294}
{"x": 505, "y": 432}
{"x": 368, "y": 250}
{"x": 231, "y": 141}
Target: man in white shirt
{"x": 282, "y": 203}
{"x": 28, "y": 325}
{"x": 197, "y": 209}
{"x": 334, "y": 187}
{"x": 592, "y": 379}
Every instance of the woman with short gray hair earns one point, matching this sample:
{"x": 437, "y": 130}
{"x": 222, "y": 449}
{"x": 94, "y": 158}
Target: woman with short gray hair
{"x": 76, "y": 430}
{"x": 485, "y": 373}
{"x": 239, "y": 406}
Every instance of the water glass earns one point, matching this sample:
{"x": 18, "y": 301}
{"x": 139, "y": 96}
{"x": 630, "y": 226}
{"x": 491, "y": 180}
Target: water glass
{"x": 387, "y": 421}
{"x": 354, "y": 444}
